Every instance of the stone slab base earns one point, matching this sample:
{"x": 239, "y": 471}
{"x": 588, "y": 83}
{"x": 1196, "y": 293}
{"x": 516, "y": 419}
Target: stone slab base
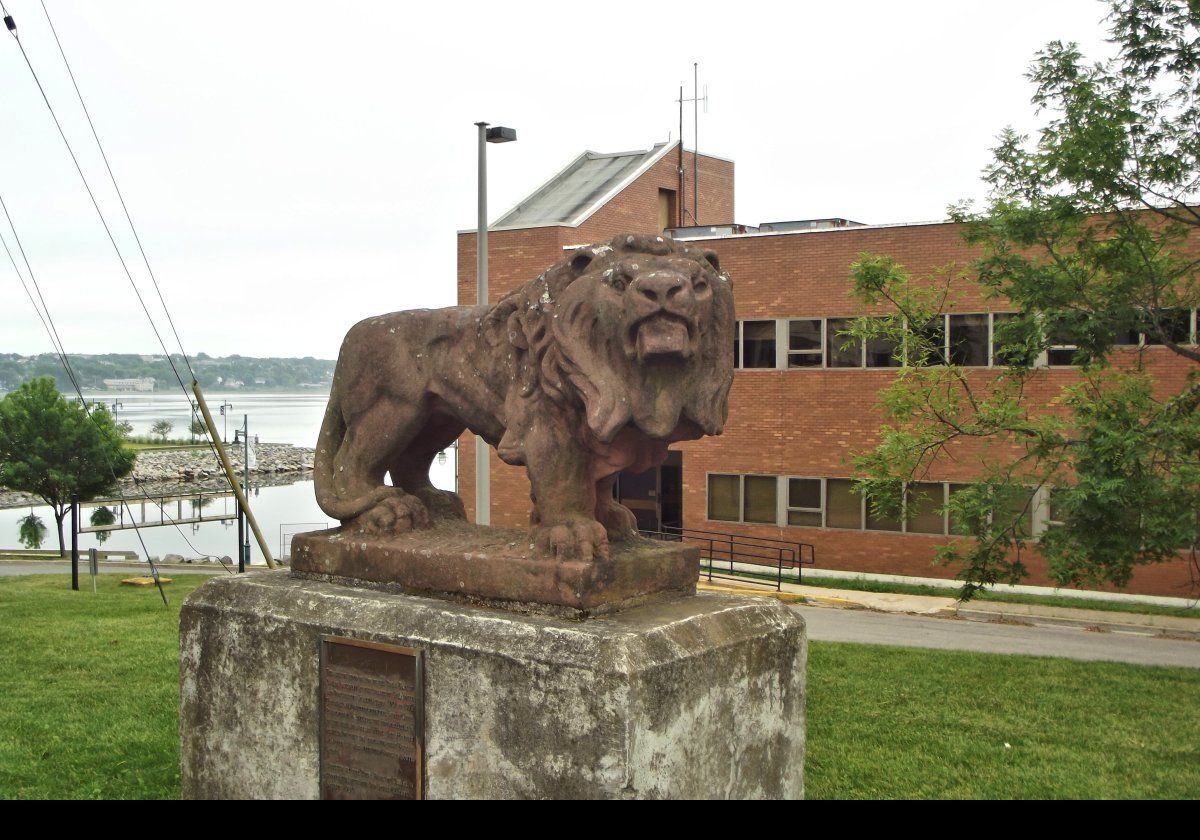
{"x": 701, "y": 697}
{"x": 496, "y": 566}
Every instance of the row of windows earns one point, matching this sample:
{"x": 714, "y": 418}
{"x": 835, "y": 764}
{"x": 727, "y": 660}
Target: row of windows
{"x": 966, "y": 339}
{"x": 831, "y": 503}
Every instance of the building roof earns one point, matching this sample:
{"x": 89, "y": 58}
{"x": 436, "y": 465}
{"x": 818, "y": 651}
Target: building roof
{"x": 581, "y": 189}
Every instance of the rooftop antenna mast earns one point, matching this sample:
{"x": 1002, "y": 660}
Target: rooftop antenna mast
{"x": 696, "y": 99}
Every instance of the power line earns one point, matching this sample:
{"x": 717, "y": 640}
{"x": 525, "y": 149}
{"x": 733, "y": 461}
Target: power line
{"x": 103, "y": 221}
{"x": 96, "y": 204}
{"x": 128, "y": 218}
{"x": 117, "y": 189}
{"x": 56, "y": 341}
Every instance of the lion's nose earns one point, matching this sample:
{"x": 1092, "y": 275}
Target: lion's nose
{"x": 662, "y": 288}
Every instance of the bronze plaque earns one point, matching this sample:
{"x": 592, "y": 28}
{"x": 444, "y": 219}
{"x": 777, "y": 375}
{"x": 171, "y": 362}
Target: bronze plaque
{"x": 372, "y": 720}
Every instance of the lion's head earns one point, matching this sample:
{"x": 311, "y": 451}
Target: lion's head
{"x": 640, "y": 329}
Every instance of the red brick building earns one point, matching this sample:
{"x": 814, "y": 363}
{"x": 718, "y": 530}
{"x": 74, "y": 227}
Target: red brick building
{"x": 800, "y": 404}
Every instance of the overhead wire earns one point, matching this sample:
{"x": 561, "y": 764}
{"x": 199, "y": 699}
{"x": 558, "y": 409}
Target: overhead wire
{"x": 56, "y": 341}
{"x": 107, "y": 229}
{"x": 124, "y": 207}
{"x": 128, "y": 218}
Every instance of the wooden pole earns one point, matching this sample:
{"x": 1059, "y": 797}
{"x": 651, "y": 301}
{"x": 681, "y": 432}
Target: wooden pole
{"x": 231, "y": 475}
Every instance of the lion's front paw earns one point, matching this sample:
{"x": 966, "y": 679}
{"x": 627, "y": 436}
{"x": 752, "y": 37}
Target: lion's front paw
{"x": 575, "y": 539}
{"x": 396, "y": 515}
{"x": 618, "y": 521}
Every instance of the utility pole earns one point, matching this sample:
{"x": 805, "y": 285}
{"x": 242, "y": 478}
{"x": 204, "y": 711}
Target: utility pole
{"x": 695, "y": 100}
{"x": 245, "y": 547}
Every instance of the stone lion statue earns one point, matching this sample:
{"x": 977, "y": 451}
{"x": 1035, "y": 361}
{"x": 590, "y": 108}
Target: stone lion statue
{"x": 596, "y": 366}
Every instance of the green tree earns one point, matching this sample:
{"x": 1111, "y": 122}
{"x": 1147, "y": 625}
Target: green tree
{"x": 1089, "y": 231}
{"x": 102, "y": 516}
{"x": 162, "y": 428}
{"x": 51, "y": 448}
{"x": 31, "y": 531}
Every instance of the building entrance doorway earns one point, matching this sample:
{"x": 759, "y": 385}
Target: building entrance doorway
{"x": 655, "y": 496}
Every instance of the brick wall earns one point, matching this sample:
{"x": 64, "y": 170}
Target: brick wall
{"x": 796, "y": 422}
{"x": 809, "y": 422}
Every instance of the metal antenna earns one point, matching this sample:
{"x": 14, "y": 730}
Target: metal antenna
{"x": 696, "y": 99}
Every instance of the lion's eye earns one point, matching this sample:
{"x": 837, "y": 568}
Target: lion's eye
{"x": 700, "y": 286}
{"x": 616, "y": 279}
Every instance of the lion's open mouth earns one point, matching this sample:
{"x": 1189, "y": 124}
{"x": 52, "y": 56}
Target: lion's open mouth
{"x": 663, "y": 335}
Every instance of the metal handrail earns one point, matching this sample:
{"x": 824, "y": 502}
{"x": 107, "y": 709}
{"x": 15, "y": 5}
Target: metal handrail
{"x": 717, "y": 547}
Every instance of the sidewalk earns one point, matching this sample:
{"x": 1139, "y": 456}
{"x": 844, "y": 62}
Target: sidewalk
{"x": 989, "y": 611}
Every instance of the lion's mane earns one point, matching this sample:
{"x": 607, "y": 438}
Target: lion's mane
{"x": 571, "y": 354}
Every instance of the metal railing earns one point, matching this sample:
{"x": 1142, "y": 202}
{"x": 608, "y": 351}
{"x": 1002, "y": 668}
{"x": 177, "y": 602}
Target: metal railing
{"x": 762, "y": 560}
{"x": 287, "y": 530}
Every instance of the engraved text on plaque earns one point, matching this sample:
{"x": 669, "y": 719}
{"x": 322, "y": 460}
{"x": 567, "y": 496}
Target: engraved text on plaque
{"x": 371, "y": 720}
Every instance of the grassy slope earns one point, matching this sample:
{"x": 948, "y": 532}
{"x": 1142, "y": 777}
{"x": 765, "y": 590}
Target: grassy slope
{"x": 89, "y": 688}
{"x": 89, "y": 708}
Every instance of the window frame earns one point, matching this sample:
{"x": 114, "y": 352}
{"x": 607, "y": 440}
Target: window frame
{"x": 783, "y": 519}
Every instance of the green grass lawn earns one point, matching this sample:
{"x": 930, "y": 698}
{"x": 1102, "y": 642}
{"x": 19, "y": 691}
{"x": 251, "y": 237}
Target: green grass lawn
{"x": 89, "y": 708}
{"x": 139, "y": 444}
{"x": 890, "y": 722}
{"x": 89, "y": 688}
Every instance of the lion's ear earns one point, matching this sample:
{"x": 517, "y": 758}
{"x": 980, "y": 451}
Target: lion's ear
{"x": 581, "y": 260}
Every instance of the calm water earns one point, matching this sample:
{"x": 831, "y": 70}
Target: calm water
{"x": 275, "y": 418}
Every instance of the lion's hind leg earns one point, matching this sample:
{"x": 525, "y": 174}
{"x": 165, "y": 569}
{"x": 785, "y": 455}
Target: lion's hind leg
{"x": 359, "y": 467}
{"x": 410, "y": 470}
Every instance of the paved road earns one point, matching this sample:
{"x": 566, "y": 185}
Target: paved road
{"x": 866, "y": 627}
{"x": 829, "y": 624}
{"x": 9, "y": 569}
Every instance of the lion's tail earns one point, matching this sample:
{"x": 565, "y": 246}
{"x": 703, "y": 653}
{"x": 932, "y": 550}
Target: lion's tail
{"x": 333, "y": 434}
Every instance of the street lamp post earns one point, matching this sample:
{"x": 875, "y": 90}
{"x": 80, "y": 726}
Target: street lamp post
{"x": 225, "y": 404}
{"x": 492, "y": 134}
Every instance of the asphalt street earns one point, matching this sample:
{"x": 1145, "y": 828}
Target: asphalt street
{"x": 867, "y": 627}
{"x": 829, "y": 624}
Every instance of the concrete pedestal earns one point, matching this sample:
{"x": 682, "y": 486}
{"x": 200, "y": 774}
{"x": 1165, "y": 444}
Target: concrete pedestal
{"x": 702, "y": 697}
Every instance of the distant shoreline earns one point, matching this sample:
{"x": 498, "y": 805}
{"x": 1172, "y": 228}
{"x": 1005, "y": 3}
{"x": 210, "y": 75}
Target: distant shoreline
{"x": 168, "y": 472}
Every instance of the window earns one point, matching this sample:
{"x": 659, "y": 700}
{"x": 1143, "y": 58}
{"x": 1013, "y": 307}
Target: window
{"x": 957, "y": 526}
{"x": 881, "y": 353}
{"x": 805, "y": 343}
{"x": 923, "y": 506}
{"x": 742, "y": 498}
{"x": 843, "y": 509}
{"x": 969, "y": 340}
{"x": 724, "y": 497}
{"x": 668, "y": 210}
{"x": 832, "y": 503}
{"x": 1016, "y": 508}
{"x": 758, "y": 344}
{"x": 842, "y": 351}
{"x": 804, "y": 502}
{"x": 933, "y": 342}
{"x": 880, "y": 522}
{"x": 1176, "y": 325}
{"x": 759, "y": 495}
{"x": 1062, "y": 349}
{"x": 1054, "y": 511}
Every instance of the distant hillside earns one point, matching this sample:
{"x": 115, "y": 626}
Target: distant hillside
{"x": 214, "y": 373}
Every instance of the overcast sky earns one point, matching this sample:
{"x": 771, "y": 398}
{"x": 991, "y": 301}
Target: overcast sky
{"x": 294, "y": 167}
